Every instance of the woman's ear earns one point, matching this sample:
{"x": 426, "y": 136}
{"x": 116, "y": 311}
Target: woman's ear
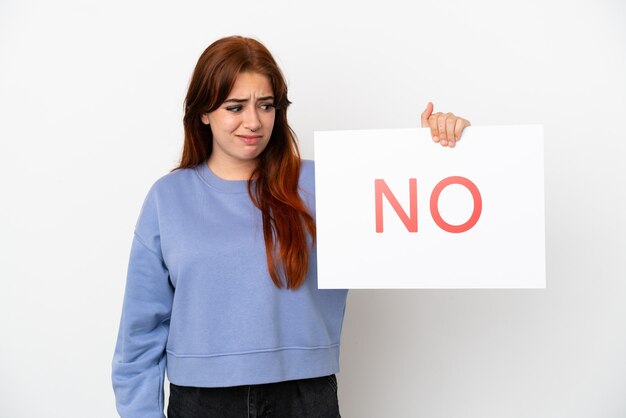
{"x": 205, "y": 118}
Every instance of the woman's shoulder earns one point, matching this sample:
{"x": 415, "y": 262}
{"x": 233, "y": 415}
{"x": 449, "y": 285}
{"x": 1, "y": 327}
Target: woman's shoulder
{"x": 175, "y": 177}
{"x": 165, "y": 190}
{"x": 307, "y": 171}
{"x": 171, "y": 183}
{"x": 307, "y": 164}
{"x": 307, "y": 181}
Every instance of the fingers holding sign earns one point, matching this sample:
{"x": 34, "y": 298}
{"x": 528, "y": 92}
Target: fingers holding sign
{"x": 445, "y": 128}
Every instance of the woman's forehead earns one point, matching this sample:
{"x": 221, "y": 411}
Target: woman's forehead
{"x": 251, "y": 83}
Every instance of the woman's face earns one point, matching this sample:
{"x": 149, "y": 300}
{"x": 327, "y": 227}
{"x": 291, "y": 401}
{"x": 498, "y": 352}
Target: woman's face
{"x": 243, "y": 124}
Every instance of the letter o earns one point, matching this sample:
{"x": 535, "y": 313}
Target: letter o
{"x": 434, "y": 204}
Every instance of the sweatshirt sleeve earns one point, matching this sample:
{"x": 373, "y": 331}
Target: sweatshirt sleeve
{"x": 138, "y": 367}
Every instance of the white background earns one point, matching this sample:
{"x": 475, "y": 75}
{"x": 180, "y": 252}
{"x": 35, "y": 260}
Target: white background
{"x": 90, "y": 115}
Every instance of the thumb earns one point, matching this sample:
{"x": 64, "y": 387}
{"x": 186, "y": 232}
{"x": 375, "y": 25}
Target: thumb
{"x": 426, "y": 114}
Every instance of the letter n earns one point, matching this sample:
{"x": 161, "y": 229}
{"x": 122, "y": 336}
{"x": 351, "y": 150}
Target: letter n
{"x": 409, "y": 221}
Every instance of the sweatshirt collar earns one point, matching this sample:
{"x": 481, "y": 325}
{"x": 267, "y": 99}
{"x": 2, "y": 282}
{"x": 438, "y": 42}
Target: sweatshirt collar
{"x": 217, "y": 183}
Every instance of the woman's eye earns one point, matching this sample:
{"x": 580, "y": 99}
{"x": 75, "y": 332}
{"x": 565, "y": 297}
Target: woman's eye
{"x": 238, "y": 108}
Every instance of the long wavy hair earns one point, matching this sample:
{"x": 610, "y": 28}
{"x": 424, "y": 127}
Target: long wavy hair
{"x": 286, "y": 220}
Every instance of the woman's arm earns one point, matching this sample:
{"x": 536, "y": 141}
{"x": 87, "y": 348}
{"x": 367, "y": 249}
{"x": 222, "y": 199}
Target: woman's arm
{"x": 138, "y": 366}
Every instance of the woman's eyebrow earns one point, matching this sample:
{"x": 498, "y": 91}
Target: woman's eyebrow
{"x": 245, "y": 100}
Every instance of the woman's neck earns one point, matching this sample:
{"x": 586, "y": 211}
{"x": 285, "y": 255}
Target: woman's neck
{"x": 239, "y": 170}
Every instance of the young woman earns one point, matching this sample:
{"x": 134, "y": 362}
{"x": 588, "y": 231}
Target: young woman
{"x": 222, "y": 283}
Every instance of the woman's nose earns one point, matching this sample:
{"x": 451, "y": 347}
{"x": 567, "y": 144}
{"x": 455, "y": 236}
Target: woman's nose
{"x": 251, "y": 120}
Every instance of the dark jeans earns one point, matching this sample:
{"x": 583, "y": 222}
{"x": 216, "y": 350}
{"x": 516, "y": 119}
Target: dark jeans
{"x": 304, "y": 398}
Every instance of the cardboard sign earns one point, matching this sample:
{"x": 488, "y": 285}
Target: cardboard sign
{"x": 396, "y": 210}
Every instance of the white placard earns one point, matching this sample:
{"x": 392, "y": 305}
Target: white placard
{"x": 465, "y": 217}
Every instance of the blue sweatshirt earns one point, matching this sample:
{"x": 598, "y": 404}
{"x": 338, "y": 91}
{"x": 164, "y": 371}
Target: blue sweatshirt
{"x": 200, "y": 303}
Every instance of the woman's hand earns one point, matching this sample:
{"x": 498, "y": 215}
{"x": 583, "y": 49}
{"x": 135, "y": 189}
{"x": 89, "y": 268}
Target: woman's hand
{"x": 446, "y": 128}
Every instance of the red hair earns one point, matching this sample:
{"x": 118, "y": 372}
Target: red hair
{"x": 286, "y": 220}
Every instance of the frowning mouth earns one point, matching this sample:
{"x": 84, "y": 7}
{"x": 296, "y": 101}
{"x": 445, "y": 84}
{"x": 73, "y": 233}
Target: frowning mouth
{"x": 250, "y": 139}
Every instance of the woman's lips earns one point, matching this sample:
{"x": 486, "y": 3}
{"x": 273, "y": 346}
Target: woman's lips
{"x": 250, "y": 139}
